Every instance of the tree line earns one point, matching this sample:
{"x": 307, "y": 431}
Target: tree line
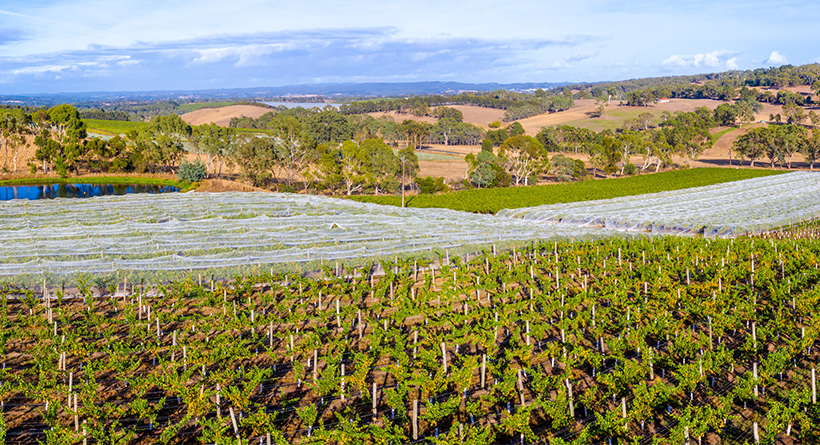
{"x": 516, "y": 105}
{"x": 321, "y": 156}
{"x": 668, "y": 86}
{"x": 331, "y": 125}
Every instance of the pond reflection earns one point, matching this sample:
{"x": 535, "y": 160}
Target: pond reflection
{"x": 51, "y": 191}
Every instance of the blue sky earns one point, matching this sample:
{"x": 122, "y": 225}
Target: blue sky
{"x": 126, "y": 45}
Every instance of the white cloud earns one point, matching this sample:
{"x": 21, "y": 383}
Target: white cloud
{"x": 711, "y": 59}
{"x": 775, "y": 58}
{"x": 732, "y": 63}
{"x": 564, "y": 62}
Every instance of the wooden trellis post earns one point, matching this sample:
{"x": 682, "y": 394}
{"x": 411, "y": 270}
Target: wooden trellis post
{"x": 415, "y": 419}
{"x": 484, "y": 370}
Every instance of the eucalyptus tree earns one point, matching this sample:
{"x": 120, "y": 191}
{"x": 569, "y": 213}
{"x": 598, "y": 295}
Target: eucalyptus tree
{"x": 216, "y": 143}
{"x": 523, "y": 156}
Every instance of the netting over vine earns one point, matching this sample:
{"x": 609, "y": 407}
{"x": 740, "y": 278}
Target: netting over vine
{"x": 721, "y": 210}
{"x": 226, "y": 232}
{"x": 202, "y": 231}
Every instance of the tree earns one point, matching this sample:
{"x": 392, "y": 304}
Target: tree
{"x": 793, "y": 112}
{"x": 751, "y": 145}
{"x": 295, "y": 150}
{"x": 347, "y": 165}
{"x": 606, "y": 154}
{"x": 600, "y": 108}
{"x": 256, "y": 157}
{"x": 814, "y": 118}
{"x": 498, "y": 136}
{"x": 329, "y": 126}
{"x": 448, "y": 113}
{"x": 644, "y": 120}
{"x": 445, "y": 127}
{"x": 789, "y": 138}
{"x": 168, "y": 134}
{"x": 14, "y": 127}
{"x": 65, "y": 124}
{"x": 811, "y": 148}
{"x": 563, "y": 168}
{"x": 515, "y": 129}
{"x": 215, "y": 142}
{"x": 630, "y": 142}
{"x": 385, "y": 166}
{"x": 416, "y": 133}
{"x": 725, "y": 114}
{"x": 523, "y": 156}
{"x": 745, "y": 110}
{"x": 48, "y": 150}
{"x": 409, "y": 165}
{"x": 481, "y": 172}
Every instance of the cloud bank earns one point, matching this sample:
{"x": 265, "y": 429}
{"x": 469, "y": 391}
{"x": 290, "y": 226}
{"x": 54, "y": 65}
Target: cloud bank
{"x": 278, "y": 58}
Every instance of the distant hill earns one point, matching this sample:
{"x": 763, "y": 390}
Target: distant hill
{"x": 330, "y": 90}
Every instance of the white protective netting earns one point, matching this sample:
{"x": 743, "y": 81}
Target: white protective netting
{"x": 149, "y": 236}
{"x": 207, "y": 232}
{"x": 720, "y": 210}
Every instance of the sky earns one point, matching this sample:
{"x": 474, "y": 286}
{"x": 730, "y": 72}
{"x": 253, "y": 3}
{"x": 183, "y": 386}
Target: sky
{"x": 54, "y": 46}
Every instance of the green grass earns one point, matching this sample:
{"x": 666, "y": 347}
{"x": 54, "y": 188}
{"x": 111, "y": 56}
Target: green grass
{"x": 613, "y": 119}
{"x": 112, "y": 128}
{"x": 252, "y": 131}
{"x": 129, "y": 180}
{"x": 720, "y": 134}
{"x": 493, "y": 200}
{"x": 187, "y": 108}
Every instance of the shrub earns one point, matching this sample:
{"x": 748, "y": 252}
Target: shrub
{"x": 629, "y": 169}
{"x": 192, "y": 171}
{"x": 430, "y": 185}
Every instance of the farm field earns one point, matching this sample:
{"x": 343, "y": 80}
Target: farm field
{"x": 222, "y": 115}
{"x": 277, "y": 318}
{"x": 170, "y": 236}
{"x": 112, "y": 128}
{"x": 493, "y": 200}
{"x": 638, "y": 341}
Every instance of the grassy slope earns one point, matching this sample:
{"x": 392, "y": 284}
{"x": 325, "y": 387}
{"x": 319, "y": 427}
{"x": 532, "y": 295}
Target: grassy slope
{"x": 720, "y": 134}
{"x": 493, "y": 200}
{"x": 130, "y": 180}
{"x": 112, "y": 127}
{"x": 187, "y": 108}
{"x": 613, "y": 119}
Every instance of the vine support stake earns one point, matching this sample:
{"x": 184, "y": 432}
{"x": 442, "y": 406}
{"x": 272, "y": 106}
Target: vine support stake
{"x": 218, "y": 402}
{"x": 375, "y": 400}
{"x": 415, "y": 419}
{"x": 233, "y": 421}
{"x": 623, "y": 412}
{"x": 754, "y": 374}
{"x": 483, "y": 370}
{"x": 813, "y": 385}
{"x": 76, "y": 415}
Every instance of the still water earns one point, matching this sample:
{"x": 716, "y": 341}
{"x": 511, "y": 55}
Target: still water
{"x": 51, "y": 191}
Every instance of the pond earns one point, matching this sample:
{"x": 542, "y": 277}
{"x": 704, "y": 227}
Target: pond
{"x": 51, "y": 191}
